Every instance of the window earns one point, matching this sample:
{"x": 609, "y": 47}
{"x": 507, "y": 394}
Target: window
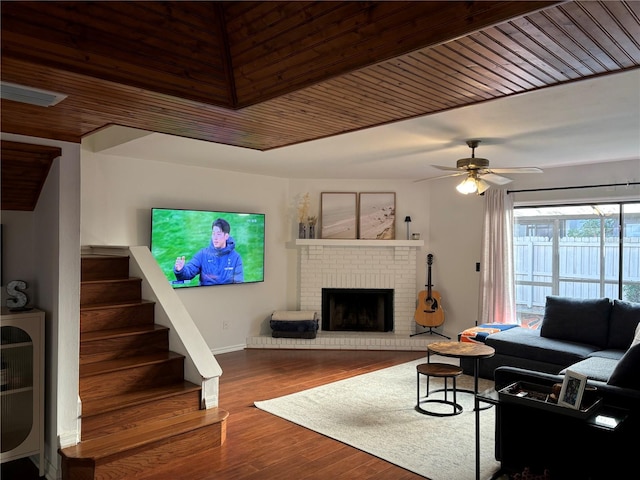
{"x": 574, "y": 251}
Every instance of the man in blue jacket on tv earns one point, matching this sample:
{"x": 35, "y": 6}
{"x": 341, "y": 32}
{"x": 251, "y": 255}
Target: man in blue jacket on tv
{"x": 216, "y": 264}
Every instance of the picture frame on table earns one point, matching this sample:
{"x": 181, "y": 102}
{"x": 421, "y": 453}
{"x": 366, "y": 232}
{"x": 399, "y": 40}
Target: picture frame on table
{"x": 338, "y": 215}
{"x": 377, "y": 216}
{"x": 572, "y": 390}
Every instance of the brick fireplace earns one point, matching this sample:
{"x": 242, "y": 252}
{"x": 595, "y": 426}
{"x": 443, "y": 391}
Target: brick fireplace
{"x": 357, "y": 264}
{"x": 360, "y": 266}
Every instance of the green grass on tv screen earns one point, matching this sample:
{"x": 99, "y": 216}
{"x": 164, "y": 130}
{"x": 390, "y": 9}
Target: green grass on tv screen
{"x": 177, "y": 233}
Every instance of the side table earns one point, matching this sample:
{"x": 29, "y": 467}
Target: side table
{"x": 475, "y": 351}
{"x": 446, "y": 372}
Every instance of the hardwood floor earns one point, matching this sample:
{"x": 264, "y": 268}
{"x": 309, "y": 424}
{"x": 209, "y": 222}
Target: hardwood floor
{"x": 261, "y": 446}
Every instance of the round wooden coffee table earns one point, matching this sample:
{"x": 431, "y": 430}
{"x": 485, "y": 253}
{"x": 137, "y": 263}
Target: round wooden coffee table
{"x": 476, "y": 351}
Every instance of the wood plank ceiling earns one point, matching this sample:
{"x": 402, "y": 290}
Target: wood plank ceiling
{"x": 264, "y": 75}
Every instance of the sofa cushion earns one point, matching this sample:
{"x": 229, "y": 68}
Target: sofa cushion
{"x": 577, "y": 320}
{"x": 625, "y": 317}
{"x": 612, "y": 353}
{"x": 527, "y": 344}
{"x": 626, "y": 372}
{"x": 595, "y": 368}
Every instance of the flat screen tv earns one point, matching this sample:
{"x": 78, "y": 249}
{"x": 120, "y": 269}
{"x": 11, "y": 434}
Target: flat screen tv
{"x": 201, "y": 248}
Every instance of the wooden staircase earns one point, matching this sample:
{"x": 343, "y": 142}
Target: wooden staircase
{"x": 139, "y": 416}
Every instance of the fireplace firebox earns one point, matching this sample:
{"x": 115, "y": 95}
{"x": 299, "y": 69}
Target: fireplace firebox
{"x": 357, "y": 309}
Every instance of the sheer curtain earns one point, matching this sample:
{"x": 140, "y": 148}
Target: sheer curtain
{"x": 497, "y": 295}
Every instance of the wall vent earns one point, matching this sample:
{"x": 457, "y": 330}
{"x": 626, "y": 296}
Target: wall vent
{"x": 30, "y": 95}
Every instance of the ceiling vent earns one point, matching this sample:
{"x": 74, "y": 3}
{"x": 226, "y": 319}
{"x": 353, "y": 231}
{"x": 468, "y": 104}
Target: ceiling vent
{"x": 32, "y": 96}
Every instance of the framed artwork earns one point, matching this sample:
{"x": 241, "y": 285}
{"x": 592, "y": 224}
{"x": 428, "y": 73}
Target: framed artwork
{"x": 572, "y": 390}
{"x": 338, "y": 215}
{"x": 377, "y": 216}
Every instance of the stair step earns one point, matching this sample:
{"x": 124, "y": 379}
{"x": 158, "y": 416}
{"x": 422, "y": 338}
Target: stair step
{"x": 140, "y": 417}
{"x": 106, "y": 316}
{"x": 123, "y": 411}
{"x": 115, "y": 343}
{"x": 101, "y": 292}
{"x": 114, "y": 402}
{"x": 145, "y": 447}
{"x": 146, "y": 434}
{"x": 119, "y": 375}
{"x": 104, "y": 267}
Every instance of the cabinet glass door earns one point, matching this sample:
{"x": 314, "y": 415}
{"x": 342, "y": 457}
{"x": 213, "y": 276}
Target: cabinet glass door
{"x": 16, "y": 386}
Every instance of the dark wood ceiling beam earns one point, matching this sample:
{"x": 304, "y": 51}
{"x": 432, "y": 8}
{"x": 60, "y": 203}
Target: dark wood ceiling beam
{"x": 24, "y": 169}
{"x": 517, "y": 55}
{"x": 305, "y": 70}
{"x": 334, "y": 45}
{"x": 534, "y": 64}
{"x": 177, "y": 52}
{"x": 444, "y": 77}
{"x": 181, "y": 49}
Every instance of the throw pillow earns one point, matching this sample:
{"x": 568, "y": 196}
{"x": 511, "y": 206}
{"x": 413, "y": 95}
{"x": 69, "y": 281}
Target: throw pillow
{"x": 625, "y": 317}
{"x": 577, "y": 319}
{"x": 626, "y": 372}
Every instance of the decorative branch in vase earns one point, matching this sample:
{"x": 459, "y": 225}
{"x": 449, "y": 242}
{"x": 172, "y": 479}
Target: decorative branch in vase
{"x": 312, "y": 226}
{"x": 303, "y": 211}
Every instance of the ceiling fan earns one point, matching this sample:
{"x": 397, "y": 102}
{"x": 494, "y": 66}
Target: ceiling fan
{"x": 478, "y": 173}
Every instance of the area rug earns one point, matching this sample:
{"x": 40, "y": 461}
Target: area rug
{"x": 375, "y": 413}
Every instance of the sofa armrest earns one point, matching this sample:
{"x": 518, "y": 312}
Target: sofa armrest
{"x": 505, "y": 376}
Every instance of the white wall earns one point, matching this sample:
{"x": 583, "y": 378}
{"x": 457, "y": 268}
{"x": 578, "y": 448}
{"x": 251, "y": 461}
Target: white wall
{"x": 42, "y": 248}
{"x": 119, "y": 192}
{"x": 588, "y": 174}
{"x": 454, "y": 239}
{"x": 18, "y": 236}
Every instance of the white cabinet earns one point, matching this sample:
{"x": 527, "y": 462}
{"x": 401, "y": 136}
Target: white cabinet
{"x": 22, "y": 385}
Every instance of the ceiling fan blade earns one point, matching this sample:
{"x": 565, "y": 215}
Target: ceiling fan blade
{"x": 441, "y": 176}
{"x": 451, "y": 169}
{"x": 516, "y": 170}
{"x": 495, "y": 179}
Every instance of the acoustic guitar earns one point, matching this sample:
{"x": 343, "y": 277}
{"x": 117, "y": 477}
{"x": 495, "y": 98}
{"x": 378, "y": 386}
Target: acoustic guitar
{"x": 429, "y": 312}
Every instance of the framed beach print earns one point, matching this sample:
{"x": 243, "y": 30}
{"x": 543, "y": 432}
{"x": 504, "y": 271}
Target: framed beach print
{"x": 377, "y": 216}
{"x": 572, "y": 389}
{"x": 338, "y": 212}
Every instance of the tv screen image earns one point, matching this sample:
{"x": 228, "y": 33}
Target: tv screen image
{"x": 201, "y": 247}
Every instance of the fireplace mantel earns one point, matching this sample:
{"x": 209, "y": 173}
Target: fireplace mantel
{"x": 301, "y": 242}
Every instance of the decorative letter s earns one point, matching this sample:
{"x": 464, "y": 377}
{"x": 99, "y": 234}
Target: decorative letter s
{"x": 14, "y": 290}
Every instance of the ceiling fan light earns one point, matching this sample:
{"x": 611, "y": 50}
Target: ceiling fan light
{"x": 467, "y": 186}
{"x": 482, "y": 186}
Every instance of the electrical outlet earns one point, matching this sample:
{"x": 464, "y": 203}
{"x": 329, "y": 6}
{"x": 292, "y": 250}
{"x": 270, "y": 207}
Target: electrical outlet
{"x": 225, "y": 324}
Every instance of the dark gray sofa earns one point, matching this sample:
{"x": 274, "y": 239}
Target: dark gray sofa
{"x": 590, "y": 336}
